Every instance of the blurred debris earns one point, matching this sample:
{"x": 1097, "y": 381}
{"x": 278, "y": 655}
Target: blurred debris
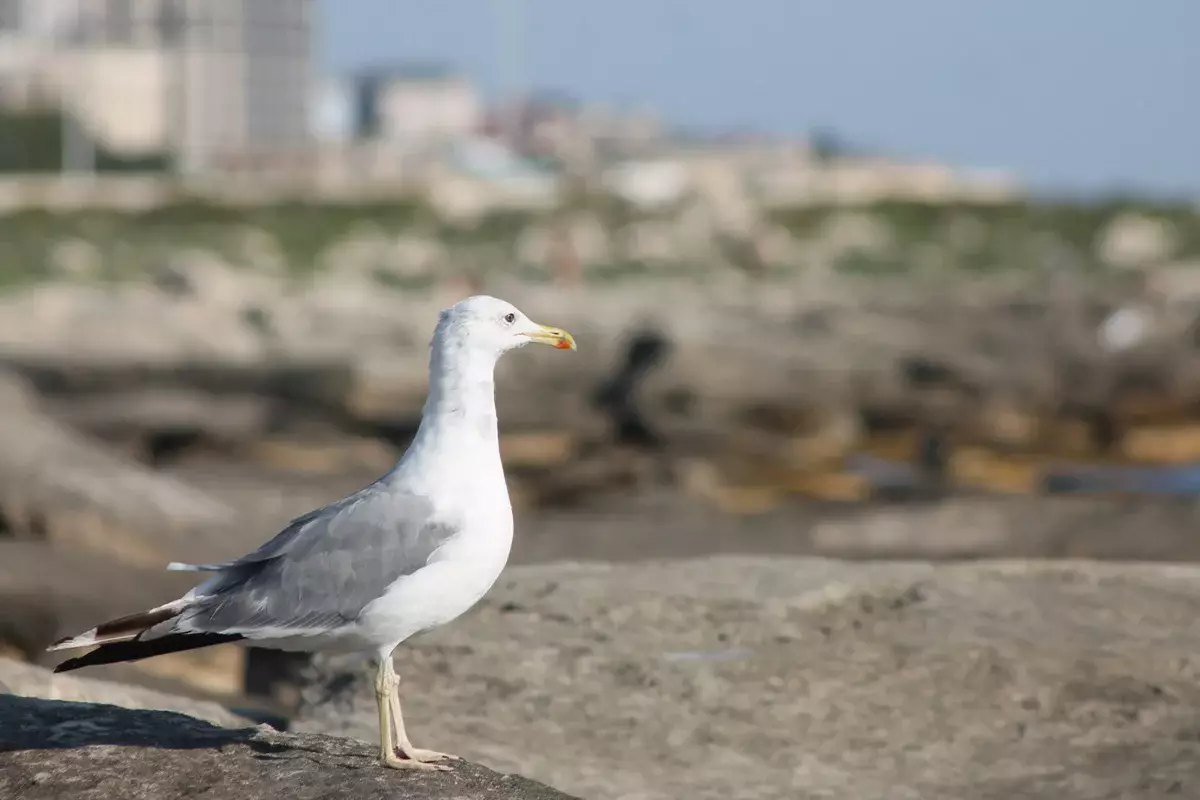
{"x": 274, "y": 676}
{"x": 617, "y": 397}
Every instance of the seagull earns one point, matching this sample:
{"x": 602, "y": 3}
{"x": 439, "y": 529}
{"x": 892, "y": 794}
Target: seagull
{"x": 412, "y": 551}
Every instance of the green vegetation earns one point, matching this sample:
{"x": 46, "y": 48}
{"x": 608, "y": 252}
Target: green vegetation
{"x": 1076, "y": 223}
{"x": 892, "y": 238}
{"x": 998, "y": 237}
{"x": 130, "y": 244}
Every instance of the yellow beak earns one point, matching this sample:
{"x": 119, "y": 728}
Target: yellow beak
{"x": 555, "y": 337}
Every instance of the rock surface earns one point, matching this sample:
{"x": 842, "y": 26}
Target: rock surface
{"x": 754, "y": 678}
{"x": 51, "y": 749}
{"x": 28, "y": 680}
{"x": 53, "y": 479}
{"x": 993, "y": 338}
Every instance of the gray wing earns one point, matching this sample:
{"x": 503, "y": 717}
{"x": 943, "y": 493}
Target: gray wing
{"x": 324, "y": 567}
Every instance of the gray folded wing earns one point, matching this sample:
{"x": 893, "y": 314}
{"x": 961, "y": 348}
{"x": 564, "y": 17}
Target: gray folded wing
{"x": 321, "y": 570}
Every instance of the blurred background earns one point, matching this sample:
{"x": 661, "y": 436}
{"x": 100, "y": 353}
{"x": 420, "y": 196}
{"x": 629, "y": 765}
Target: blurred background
{"x": 861, "y": 281}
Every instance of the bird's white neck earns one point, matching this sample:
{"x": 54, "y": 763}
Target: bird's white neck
{"x": 459, "y": 418}
{"x": 462, "y": 385}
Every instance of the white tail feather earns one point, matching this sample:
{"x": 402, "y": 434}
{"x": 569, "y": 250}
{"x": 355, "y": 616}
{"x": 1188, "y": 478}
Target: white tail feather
{"x": 124, "y": 628}
{"x": 177, "y": 566}
{"x": 89, "y": 638}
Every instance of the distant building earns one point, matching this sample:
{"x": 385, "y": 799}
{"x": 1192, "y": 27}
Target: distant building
{"x": 207, "y": 79}
{"x": 416, "y": 104}
{"x": 333, "y": 111}
{"x": 576, "y": 135}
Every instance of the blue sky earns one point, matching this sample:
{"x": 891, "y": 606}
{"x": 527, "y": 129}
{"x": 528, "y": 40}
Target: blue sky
{"x": 1073, "y": 95}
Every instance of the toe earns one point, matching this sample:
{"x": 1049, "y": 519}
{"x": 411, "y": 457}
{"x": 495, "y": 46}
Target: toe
{"x": 417, "y": 754}
{"x": 412, "y": 764}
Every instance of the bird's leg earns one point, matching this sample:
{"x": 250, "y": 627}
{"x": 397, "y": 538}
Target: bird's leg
{"x": 385, "y": 689}
{"x": 404, "y": 747}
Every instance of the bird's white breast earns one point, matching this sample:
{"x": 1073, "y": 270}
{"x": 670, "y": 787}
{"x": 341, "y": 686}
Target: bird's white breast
{"x": 470, "y": 491}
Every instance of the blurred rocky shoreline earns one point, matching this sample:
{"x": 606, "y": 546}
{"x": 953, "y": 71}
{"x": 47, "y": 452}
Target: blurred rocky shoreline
{"x": 185, "y": 408}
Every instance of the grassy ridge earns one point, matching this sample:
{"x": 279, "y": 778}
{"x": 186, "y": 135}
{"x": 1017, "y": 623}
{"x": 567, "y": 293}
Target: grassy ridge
{"x": 915, "y": 235}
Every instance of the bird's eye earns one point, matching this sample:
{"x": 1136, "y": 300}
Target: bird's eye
{"x": 510, "y": 318}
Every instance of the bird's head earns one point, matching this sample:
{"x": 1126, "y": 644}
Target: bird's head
{"x": 487, "y": 324}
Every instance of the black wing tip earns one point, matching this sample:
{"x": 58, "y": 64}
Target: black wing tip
{"x": 135, "y": 650}
{"x": 68, "y": 665}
